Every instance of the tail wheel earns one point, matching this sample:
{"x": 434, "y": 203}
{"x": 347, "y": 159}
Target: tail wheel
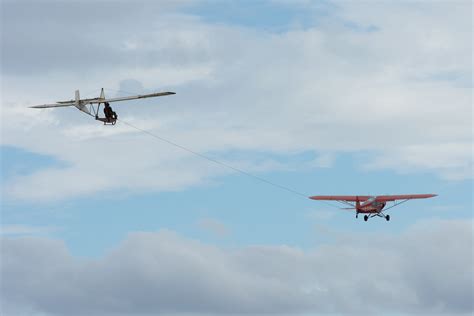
{"x": 366, "y": 218}
{"x": 387, "y": 217}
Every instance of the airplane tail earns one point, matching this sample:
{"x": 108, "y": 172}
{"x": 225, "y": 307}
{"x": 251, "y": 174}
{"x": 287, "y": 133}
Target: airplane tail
{"x": 79, "y": 105}
{"x": 77, "y": 98}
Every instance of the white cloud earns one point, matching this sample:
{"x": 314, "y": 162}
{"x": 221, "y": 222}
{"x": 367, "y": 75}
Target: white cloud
{"x": 327, "y": 89}
{"x": 454, "y": 162}
{"x": 428, "y": 269}
{"x": 23, "y": 230}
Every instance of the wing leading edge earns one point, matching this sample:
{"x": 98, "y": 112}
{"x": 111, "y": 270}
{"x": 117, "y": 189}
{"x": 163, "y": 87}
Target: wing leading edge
{"x": 363, "y": 198}
{"x": 134, "y": 97}
{"x": 386, "y": 198}
{"x": 347, "y": 198}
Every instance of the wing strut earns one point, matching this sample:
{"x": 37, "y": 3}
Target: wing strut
{"x": 396, "y": 204}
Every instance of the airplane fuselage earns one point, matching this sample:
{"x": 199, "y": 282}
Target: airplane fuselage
{"x": 370, "y": 207}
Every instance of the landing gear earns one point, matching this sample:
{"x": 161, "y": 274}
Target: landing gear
{"x": 366, "y": 217}
{"x": 357, "y": 214}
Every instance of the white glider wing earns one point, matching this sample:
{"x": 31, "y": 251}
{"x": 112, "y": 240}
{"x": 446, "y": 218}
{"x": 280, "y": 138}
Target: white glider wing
{"x": 53, "y": 105}
{"x": 81, "y": 103}
{"x": 132, "y": 97}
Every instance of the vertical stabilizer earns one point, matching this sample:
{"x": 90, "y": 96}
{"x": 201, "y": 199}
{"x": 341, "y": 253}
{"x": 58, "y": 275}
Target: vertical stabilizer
{"x": 77, "y": 97}
{"x": 79, "y": 104}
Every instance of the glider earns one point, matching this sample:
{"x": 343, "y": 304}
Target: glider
{"x": 92, "y": 106}
{"x": 371, "y": 205}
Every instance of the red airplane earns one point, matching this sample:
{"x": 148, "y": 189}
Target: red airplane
{"x": 371, "y": 205}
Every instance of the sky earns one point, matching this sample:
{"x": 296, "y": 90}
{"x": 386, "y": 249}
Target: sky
{"x": 304, "y": 97}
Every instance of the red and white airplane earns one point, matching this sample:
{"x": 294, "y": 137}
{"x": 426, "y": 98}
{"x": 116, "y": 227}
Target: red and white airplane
{"x": 371, "y": 205}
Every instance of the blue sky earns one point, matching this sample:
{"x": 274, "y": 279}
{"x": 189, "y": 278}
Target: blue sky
{"x": 322, "y": 97}
{"x": 262, "y": 15}
{"x": 252, "y": 212}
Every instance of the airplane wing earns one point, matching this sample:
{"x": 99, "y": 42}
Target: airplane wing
{"x": 363, "y": 198}
{"x": 53, "y": 105}
{"x": 133, "y": 97}
{"x": 101, "y": 100}
{"x": 387, "y": 198}
{"x": 347, "y": 198}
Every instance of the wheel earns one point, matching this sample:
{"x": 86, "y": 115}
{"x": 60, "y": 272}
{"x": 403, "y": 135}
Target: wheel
{"x": 366, "y": 218}
{"x": 387, "y": 217}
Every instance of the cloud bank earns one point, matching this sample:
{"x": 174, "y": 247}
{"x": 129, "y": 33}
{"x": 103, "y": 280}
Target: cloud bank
{"x": 428, "y": 269}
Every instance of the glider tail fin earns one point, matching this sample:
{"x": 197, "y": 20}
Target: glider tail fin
{"x": 79, "y": 105}
{"x": 77, "y": 98}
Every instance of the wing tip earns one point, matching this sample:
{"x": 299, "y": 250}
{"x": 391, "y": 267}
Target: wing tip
{"x": 427, "y": 196}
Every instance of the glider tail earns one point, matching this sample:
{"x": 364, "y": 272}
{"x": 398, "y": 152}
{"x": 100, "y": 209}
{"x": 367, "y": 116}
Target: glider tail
{"x": 79, "y": 105}
{"x": 78, "y": 98}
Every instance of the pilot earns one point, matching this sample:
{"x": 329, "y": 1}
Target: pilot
{"x": 109, "y": 113}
